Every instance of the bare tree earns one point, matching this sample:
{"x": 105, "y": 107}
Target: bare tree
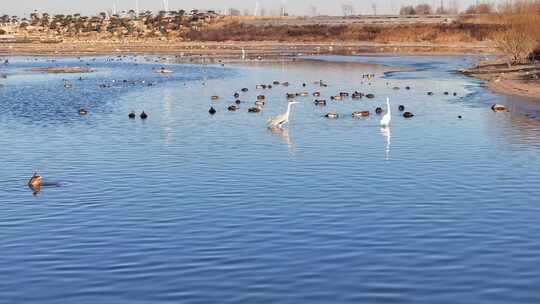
{"x": 519, "y": 38}
{"x": 482, "y": 8}
{"x": 423, "y": 9}
{"x": 407, "y": 10}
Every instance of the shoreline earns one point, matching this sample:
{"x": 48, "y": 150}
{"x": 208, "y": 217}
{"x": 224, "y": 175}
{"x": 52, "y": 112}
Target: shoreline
{"x": 234, "y": 49}
{"x": 520, "y": 80}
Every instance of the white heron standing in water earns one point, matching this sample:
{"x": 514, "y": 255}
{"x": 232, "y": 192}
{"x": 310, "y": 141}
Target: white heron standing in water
{"x": 280, "y": 120}
{"x": 385, "y": 120}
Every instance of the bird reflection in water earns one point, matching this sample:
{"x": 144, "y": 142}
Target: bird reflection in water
{"x": 387, "y": 134}
{"x": 284, "y": 135}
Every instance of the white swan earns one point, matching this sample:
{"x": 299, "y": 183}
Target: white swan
{"x": 385, "y": 120}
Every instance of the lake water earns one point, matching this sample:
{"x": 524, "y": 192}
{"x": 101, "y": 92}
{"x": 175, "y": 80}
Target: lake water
{"x": 191, "y": 208}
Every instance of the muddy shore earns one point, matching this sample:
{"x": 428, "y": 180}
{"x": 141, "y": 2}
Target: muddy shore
{"x": 252, "y": 50}
{"x": 520, "y": 80}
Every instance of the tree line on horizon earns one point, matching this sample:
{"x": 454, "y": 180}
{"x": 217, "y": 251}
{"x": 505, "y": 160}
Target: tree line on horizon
{"x": 515, "y": 31}
{"x": 145, "y": 24}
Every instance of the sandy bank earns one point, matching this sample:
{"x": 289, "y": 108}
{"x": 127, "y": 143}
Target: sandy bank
{"x": 234, "y": 49}
{"x": 521, "y": 80}
{"x": 62, "y": 70}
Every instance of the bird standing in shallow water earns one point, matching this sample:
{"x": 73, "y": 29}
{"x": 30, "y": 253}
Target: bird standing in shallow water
{"x": 385, "y": 120}
{"x": 280, "y": 120}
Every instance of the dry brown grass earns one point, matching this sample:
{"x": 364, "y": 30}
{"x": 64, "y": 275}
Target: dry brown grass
{"x": 237, "y": 31}
{"x": 519, "y": 39}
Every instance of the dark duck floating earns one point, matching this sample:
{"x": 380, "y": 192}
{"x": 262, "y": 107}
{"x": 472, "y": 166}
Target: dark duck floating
{"x": 408, "y": 115}
{"x": 320, "y": 102}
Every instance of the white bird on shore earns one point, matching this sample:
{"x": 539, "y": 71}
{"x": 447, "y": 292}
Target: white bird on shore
{"x": 280, "y": 120}
{"x": 385, "y": 120}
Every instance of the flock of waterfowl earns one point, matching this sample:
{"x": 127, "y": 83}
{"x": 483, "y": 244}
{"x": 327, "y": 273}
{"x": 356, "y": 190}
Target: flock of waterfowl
{"x": 261, "y": 100}
{"x": 279, "y": 120}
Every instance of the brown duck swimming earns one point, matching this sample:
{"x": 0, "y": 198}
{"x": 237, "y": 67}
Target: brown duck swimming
{"x": 34, "y": 182}
{"x": 359, "y": 114}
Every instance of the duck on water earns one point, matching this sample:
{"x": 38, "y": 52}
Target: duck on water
{"x": 35, "y": 183}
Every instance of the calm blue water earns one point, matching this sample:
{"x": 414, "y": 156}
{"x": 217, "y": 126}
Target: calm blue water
{"x": 188, "y": 208}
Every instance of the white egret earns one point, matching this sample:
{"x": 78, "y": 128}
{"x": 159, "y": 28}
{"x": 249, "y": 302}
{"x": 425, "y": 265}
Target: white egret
{"x": 280, "y": 120}
{"x": 385, "y": 120}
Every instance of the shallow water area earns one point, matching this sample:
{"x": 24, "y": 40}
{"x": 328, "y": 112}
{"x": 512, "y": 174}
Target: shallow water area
{"x": 193, "y": 208}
